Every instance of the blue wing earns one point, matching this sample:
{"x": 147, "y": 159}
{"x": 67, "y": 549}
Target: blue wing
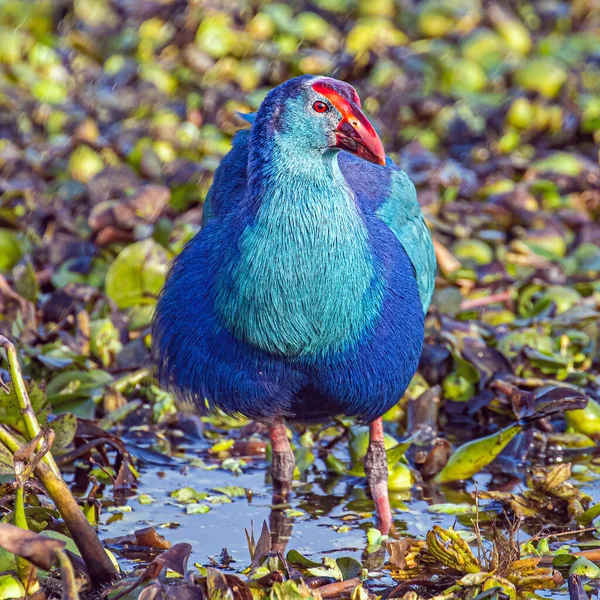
{"x": 402, "y": 214}
{"x": 392, "y": 196}
{"x": 229, "y": 183}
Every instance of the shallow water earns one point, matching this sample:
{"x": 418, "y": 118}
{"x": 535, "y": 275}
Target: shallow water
{"x": 324, "y": 505}
{"x": 321, "y": 504}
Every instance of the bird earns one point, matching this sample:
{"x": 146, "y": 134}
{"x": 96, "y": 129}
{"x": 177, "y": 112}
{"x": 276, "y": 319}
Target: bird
{"x": 304, "y": 294}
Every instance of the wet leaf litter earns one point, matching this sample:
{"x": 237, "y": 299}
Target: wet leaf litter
{"x": 114, "y": 117}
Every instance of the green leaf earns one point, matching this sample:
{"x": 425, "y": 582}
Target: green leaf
{"x": 586, "y": 420}
{"x": 70, "y": 272}
{"x": 137, "y": 274}
{"x": 6, "y": 463}
{"x": 55, "y": 535}
{"x": 222, "y": 446}
{"x": 561, "y": 163}
{"x": 292, "y": 513}
{"x": 197, "y": 509}
{"x": 64, "y": 428}
{"x": 452, "y": 509}
{"x": 77, "y": 385}
{"x": 233, "y": 491}
{"x": 10, "y": 249}
{"x": 25, "y": 283}
{"x": 563, "y": 560}
{"x": 329, "y": 569}
{"x": 145, "y": 499}
{"x": 295, "y": 558}
{"x": 10, "y": 413}
{"x": 349, "y": 567}
{"x": 188, "y": 495}
{"x": 585, "y": 567}
{"x": 304, "y": 458}
{"x": 335, "y": 465}
{"x": 375, "y": 538}
{"x": 589, "y": 515}
{"x": 83, "y": 409}
{"x": 11, "y": 587}
{"x": 7, "y": 560}
{"x": 470, "y": 458}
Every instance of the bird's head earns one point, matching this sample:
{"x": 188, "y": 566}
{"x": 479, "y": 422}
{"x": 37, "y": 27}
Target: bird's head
{"x": 320, "y": 113}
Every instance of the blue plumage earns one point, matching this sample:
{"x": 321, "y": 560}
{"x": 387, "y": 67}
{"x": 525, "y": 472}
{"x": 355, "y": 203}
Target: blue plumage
{"x": 304, "y": 294}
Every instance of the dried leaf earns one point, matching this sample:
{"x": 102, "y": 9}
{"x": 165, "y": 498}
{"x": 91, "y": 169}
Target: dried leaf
{"x": 39, "y": 550}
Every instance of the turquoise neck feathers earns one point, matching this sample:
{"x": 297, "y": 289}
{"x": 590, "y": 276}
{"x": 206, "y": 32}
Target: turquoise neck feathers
{"x": 301, "y": 282}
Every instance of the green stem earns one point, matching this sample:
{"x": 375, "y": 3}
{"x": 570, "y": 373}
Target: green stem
{"x": 95, "y": 557}
{"x": 27, "y": 412}
{"x": 8, "y": 440}
{"x": 131, "y": 379}
{"x": 99, "y": 565}
{"x": 26, "y": 571}
{"x": 68, "y": 577}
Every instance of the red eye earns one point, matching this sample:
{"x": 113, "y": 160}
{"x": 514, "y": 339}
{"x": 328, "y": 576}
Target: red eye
{"x": 320, "y": 107}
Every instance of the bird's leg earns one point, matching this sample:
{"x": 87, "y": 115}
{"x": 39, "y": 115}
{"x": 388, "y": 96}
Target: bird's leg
{"x": 376, "y": 469}
{"x": 282, "y": 466}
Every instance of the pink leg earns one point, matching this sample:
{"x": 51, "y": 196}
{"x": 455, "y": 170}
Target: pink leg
{"x": 282, "y": 466}
{"x": 376, "y": 469}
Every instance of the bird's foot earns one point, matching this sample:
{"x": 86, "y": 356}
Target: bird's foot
{"x": 376, "y": 468}
{"x": 283, "y": 463}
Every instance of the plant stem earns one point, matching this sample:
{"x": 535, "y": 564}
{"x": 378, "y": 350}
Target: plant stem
{"x": 26, "y": 571}
{"x": 99, "y": 565}
{"x": 95, "y": 557}
{"x": 131, "y": 379}
{"x": 68, "y": 577}
{"x": 27, "y": 412}
{"x": 8, "y": 440}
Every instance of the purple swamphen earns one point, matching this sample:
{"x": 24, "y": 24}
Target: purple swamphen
{"x": 304, "y": 294}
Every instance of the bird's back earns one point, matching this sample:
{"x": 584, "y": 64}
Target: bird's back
{"x": 230, "y": 181}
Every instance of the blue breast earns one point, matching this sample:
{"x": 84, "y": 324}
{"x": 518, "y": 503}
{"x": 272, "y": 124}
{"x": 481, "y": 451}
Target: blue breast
{"x": 300, "y": 282}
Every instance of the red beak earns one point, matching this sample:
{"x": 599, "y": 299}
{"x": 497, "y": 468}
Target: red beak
{"x": 356, "y": 135}
{"x": 354, "y": 132}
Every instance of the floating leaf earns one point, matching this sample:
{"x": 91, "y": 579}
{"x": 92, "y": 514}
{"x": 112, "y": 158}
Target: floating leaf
{"x": 585, "y": 568}
{"x": 188, "y": 495}
{"x": 452, "y": 509}
{"x": 295, "y": 558}
{"x": 349, "y": 567}
{"x": 197, "y": 509}
{"x": 586, "y": 421}
{"x": 589, "y": 515}
{"x": 473, "y": 456}
{"x": 137, "y": 274}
